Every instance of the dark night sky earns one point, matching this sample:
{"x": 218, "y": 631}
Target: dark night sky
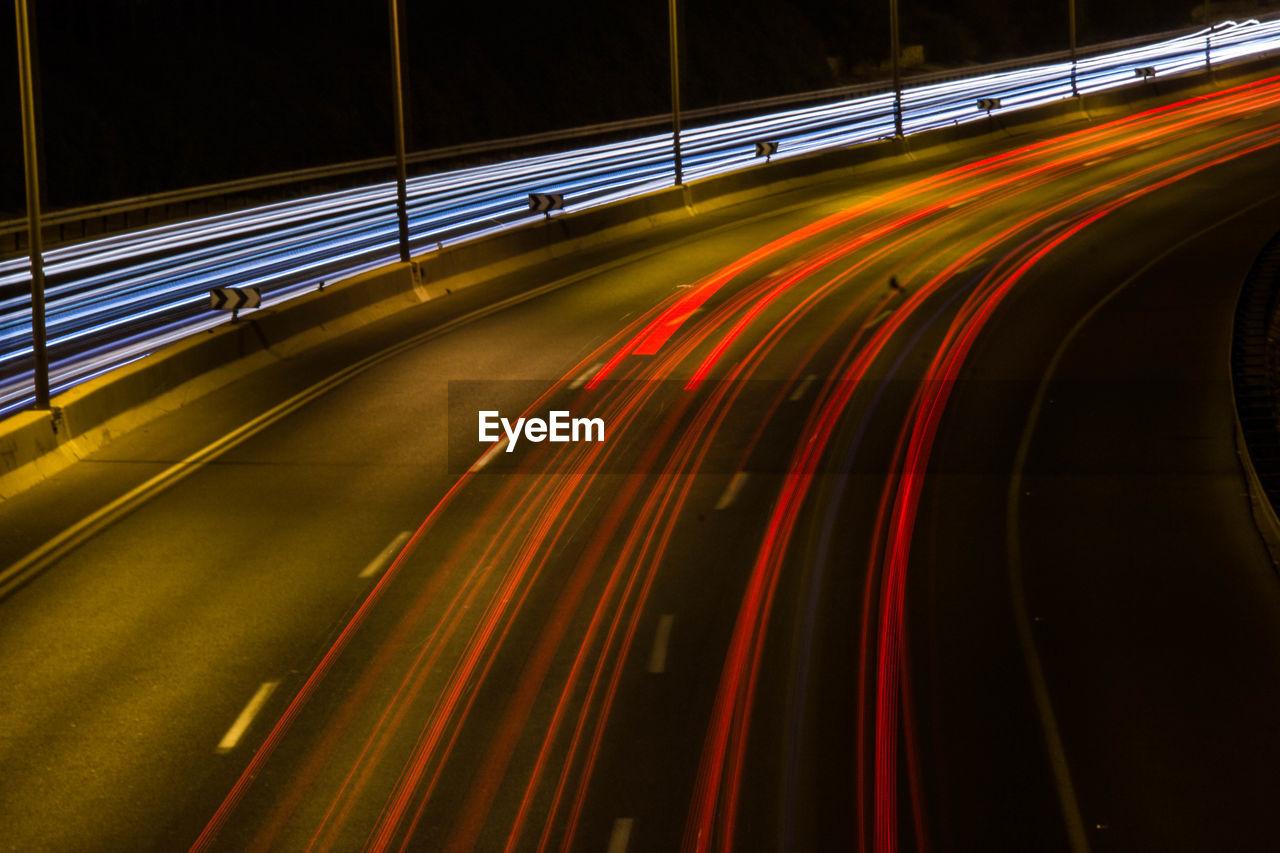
{"x": 144, "y": 95}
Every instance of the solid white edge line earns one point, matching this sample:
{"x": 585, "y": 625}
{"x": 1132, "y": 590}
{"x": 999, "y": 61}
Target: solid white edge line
{"x": 731, "y": 491}
{"x": 802, "y": 388}
{"x": 241, "y": 725}
{"x": 661, "y": 639}
{"x": 621, "y": 835}
{"x": 378, "y": 563}
{"x": 1068, "y": 802}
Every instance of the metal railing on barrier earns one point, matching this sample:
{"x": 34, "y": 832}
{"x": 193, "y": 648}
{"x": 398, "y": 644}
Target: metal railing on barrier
{"x": 201, "y": 200}
{"x": 114, "y": 298}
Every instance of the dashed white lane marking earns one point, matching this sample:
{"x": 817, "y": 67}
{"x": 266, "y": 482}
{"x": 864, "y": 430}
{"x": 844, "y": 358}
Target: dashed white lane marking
{"x": 620, "y": 836}
{"x": 802, "y": 387}
{"x": 585, "y": 375}
{"x": 381, "y": 561}
{"x": 492, "y": 452}
{"x": 661, "y": 639}
{"x": 731, "y": 490}
{"x": 879, "y": 318}
{"x": 241, "y": 725}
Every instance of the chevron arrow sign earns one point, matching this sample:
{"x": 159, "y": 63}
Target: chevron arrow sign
{"x": 988, "y": 104}
{"x": 546, "y": 202}
{"x": 234, "y": 298}
{"x": 1145, "y": 71}
{"x": 766, "y": 149}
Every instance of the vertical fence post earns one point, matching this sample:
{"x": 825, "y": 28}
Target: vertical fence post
{"x": 895, "y": 51}
{"x": 35, "y": 241}
{"x": 675, "y": 89}
{"x": 402, "y": 211}
{"x": 1071, "y": 26}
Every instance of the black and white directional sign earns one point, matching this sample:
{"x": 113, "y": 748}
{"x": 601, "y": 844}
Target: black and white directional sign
{"x": 766, "y": 149}
{"x": 234, "y": 298}
{"x": 988, "y": 104}
{"x": 1145, "y": 72}
{"x": 546, "y": 202}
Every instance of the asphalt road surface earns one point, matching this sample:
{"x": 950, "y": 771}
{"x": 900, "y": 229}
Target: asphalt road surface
{"x": 917, "y": 524}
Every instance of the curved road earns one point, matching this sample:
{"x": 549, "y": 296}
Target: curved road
{"x": 917, "y": 524}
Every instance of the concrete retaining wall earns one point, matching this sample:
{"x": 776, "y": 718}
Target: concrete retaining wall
{"x": 1255, "y": 385}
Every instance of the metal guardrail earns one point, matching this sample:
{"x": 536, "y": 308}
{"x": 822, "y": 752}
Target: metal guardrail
{"x": 211, "y": 198}
{"x": 115, "y": 298}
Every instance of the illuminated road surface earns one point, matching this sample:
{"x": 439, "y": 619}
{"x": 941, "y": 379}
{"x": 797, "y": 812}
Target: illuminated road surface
{"x": 964, "y": 563}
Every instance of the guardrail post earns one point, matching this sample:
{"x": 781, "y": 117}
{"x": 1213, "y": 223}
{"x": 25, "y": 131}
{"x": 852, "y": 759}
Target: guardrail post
{"x": 35, "y": 241}
{"x": 402, "y": 211}
{"x": 675, "y": 89}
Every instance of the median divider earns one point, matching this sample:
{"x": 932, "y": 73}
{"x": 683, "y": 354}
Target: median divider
{"x": 35, "y": 445}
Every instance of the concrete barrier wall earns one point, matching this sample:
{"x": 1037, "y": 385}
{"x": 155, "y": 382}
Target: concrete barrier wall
{"x": 33, "y": 445}
{"x": 1255, "y": 386}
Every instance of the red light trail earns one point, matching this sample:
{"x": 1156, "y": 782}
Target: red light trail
{"x": 605, "y": 538}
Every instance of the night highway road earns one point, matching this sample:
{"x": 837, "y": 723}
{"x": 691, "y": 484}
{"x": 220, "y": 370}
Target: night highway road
{"x": 917, "y": 524}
